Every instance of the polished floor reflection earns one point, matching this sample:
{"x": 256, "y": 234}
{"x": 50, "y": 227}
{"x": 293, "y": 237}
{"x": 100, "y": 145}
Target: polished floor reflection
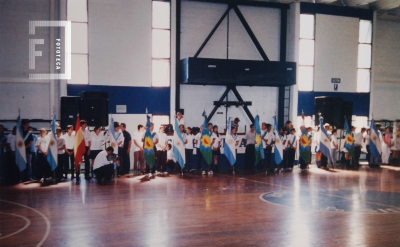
{"x": 314, "y": 208}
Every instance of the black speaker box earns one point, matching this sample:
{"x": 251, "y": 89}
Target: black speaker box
{"x": 69, "y": 111}
{"x": 347, "y": 113}
{"x": 334, "y": 110}
{"x": 330, "y": 109}
{"x": 94, "y": 108}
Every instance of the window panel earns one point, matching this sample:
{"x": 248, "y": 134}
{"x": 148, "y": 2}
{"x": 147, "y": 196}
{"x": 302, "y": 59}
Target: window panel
{"x": 158, "y": 120}
{"x": 363, "y": 80}
{"x": 306, "y": 78}
{"x": 161, "y": 44}
{"x": 365, "y": 33}
{"x": 79, "y": 69}
{"x": 77, "y": 10}
{"x": 307, "y": 26}
{"x": 161, "y": 15}
{"x": 160, "y": 73}
{"x": 364, "y": 56}
{"x": 306, "y": 52}
{"x": 79, "y": 35}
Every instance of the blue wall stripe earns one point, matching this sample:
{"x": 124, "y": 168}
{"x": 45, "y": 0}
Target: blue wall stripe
{"x": 136, "y": 99}
{"x": 360, "y": 102}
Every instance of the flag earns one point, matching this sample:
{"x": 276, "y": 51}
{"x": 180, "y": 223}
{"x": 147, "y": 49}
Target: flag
{"x": 304, "y": 147}
{"x": 348, "y": 140}
{"x": 375, "y": 145}
{"x": 179, "y": 145}
{"x": 278, "y": 144}
{"x": 230, "y": 144}
{"x": 324, "y": 142}
{"x": 79, "y": 144}
{"x": 111, "y": 136}
{"x": 205, "y": 142}
{"x": 53, "y": 147}
{"x": 148, "y": 145}
{"x": 20, "y": 152}
{"x": 258, "y": 143}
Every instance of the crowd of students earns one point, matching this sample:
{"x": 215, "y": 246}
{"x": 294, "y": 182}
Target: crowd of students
{"x": 99, "y": 161}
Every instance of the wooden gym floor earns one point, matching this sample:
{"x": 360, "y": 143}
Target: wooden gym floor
{"x": 315, "y": 208}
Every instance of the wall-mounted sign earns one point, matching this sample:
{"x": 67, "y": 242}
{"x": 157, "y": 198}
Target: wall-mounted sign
{"x": 335, "y": 80}
{"x": 121, "y": 108}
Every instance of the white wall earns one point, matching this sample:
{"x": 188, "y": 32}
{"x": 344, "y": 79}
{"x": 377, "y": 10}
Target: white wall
{"x": 385, "y": 86}
{"x": 36, "y": 98}
{"x": 336, "y": 53}
{"x": 120, "y": 42}
{"x": 198, "y": 19}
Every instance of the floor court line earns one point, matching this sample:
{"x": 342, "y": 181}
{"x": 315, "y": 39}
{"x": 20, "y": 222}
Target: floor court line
{"x": 48, "y": 226}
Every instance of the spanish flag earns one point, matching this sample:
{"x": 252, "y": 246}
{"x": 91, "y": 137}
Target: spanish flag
{"x": 79, "y": 144}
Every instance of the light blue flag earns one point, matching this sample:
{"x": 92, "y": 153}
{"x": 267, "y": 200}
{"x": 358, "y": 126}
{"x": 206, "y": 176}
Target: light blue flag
{"x": 179, "y": 145}
{"x": 278, "y": 144}
{"x": 324, "y": 142}
{"x": 375, "y": 142}
{"x": 20, "y": 153}
{"x": 230, "y": 144}
{"x": 53, "y": 149}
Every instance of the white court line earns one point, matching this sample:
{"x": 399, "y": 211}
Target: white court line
{"x": 28, "y": 222}
{"x": 44, "y": 217}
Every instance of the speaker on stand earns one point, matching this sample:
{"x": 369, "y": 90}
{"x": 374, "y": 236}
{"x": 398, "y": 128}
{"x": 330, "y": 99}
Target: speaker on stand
{"x": 94, "y": 108}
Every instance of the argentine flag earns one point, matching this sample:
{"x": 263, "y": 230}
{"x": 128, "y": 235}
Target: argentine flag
{"x": 229, "y": 147}
{"x": 278, "y": 144}
{"x": 52, "y": 153}
{"x": 20, "y": 154}
{"x": 374, "y": 143}
{"x": 179, "y": 145}
{"x": 324, "y": 142}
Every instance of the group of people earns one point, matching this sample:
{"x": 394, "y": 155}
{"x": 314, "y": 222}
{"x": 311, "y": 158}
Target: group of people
{"x": 106, "y": 161}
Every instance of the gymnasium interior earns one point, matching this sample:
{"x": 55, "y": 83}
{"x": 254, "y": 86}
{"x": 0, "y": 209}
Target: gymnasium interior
{"x": 263, "y": 61}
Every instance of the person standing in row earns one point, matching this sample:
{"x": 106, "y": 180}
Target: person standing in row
{"x": 215, "y": 144}
{"x": 292, "y": 147}
{"x": 161, "y": 153}
{"x": 199, "y": 156}
{"x": 358, "y": 138}
{"x": 97, "y": 143}
{"x": 235, "y": 123}
{"x": 285, "y": 148}
{"x": 366, "y": 139}
{"x": 119, "y": 141}
{"x": 86, "y": 155}
{"x": 334, "y": 147}
{"x": 60, "y": 155}
{"x": 268, "y": 141}
{"x": 180, "y": 118}
{"x": 386, "y": 145}
{"x": 42, "y": 145}
{"x": 189, "y": 149}
{"x": 138, "y": 151}
{"x": 250, "y": 153}
{"x": 69, "y": 150}
{"x": 126, "y": 150}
